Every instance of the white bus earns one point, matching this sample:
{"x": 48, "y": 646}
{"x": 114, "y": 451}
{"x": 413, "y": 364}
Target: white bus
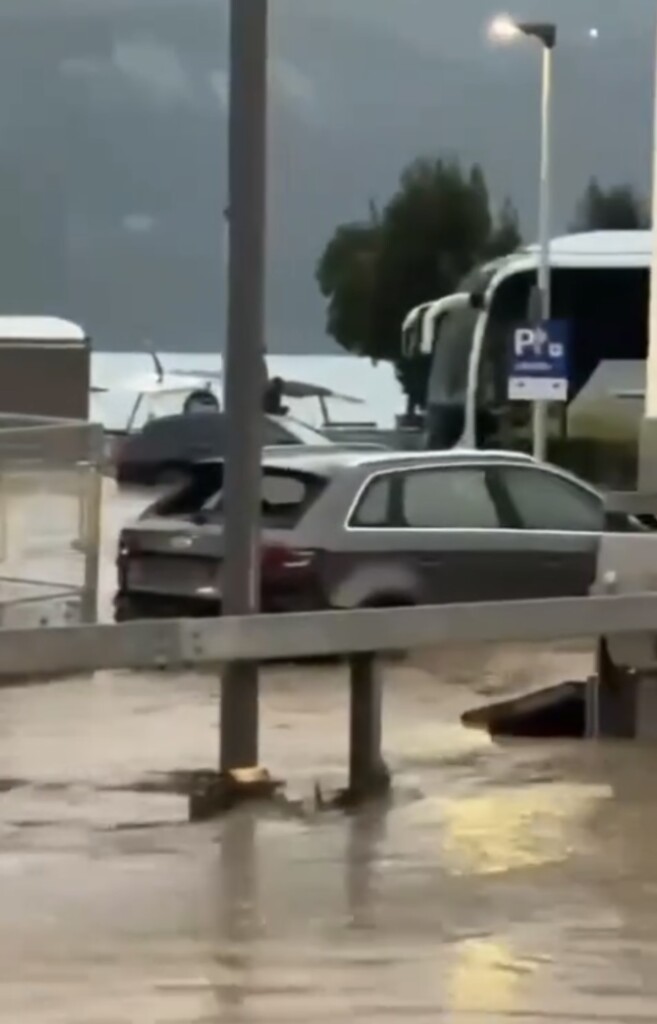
{"x": 600, "y": 283}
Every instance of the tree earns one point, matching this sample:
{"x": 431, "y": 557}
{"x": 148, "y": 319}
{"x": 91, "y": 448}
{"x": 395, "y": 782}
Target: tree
{"x": 619, "y": 208}
{"x": 347, "y": 276}
{"x": 434, "y": 229}
{"x": 506, "y": 235}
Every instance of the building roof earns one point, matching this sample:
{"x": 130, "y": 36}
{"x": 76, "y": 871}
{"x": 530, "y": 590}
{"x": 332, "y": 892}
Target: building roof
{"x": 40, "y": 328}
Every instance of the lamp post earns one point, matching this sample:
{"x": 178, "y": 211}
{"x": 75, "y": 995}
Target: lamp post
{"x": 243, "y": 383}
{"x": 506, "y": 29}
{"x": 648, "y": 436}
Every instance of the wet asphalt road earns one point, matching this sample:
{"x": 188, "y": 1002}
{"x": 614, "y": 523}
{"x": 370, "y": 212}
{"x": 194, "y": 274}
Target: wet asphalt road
{"x": 508, "y": 882}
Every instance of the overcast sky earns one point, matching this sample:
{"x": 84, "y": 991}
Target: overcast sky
{"x": 113, "y": 112}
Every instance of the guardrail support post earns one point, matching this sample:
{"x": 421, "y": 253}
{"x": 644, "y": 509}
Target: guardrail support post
{"x": 90, "y": 540}
{"x": 612, "y": 710}
{"x": 368, "y": 774}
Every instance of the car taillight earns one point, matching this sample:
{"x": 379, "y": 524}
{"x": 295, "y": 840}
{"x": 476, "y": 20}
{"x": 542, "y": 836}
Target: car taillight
{"x": 281, "y": 560}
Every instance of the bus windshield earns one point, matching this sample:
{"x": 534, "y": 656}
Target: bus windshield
{"x": 607, "y": 312}
{"x": 452, "y": 341}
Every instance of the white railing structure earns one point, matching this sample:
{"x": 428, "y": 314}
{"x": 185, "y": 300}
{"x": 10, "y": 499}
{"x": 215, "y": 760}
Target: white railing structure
{"x": 50, "y": 494}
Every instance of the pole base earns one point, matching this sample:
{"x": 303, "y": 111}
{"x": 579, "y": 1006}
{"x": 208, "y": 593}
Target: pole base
{"x": 376, "y": 787}
{"x": 215, "y": 793}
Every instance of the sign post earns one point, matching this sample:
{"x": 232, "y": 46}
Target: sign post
{"x": 538, "y": 363}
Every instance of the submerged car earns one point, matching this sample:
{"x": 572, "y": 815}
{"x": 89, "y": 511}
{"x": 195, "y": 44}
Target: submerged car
{"x": 345, "y": 529}
{"x": 165, "y": 450}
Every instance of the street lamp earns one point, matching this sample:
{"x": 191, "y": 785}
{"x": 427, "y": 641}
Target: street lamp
{"x": 506, "y": 29}
{"x": 647, "y": 480}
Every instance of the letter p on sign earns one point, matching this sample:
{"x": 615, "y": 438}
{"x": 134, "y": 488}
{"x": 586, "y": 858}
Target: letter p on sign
{"x": 524, "y": 340}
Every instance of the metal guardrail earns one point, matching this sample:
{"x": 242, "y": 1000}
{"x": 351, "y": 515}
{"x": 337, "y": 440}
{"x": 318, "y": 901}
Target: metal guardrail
{"x": 624, "y": 624}
{"x": 186, "y": 643}
{"x": 636, "y": 503}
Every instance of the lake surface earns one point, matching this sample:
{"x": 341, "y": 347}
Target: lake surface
{"x": 378, "y": 392}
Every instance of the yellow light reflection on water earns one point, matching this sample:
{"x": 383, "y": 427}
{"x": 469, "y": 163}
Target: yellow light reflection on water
{"x": 484, "y": 977}
{"x": 505, "y": 830}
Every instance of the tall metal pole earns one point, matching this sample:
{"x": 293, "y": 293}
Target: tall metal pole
{"x": 651, "y": 364}
{"x": 243, "y": 376}
{"x": 647, "y": 477}
{"x": 540, "y": 409}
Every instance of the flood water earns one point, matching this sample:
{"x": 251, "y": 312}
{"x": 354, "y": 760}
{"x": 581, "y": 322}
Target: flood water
{"x": 505, "y": 882}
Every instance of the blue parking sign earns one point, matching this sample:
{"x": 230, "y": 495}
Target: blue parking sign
{"x": 538, "y": 363}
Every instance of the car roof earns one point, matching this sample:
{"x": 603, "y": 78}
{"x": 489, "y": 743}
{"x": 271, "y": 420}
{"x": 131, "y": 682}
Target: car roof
{"x": 322, "y": 459}
{"x": 326, "y": 459}
{"x": 219, "y": 415}
{"x": 324, "y": 462}
{"x": 160, "y": 422}
{"x": 327, "y": 462}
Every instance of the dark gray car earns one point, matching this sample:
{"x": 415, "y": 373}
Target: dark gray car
{"x": 166, "y": 449}
{"x": 349, "y": 529}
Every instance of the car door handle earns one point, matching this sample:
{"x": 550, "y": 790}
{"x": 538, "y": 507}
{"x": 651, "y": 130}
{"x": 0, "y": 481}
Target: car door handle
{"x": 431, "y": 560}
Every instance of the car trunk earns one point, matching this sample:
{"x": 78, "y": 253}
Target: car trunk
{"x": 187, "y": 498}
{"x": 177, "y": 550}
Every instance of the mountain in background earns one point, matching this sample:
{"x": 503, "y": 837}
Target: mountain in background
{"x": 113, "y": 142}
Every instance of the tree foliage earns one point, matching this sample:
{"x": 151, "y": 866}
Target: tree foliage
{"x": 619, "y": 208}
{"x": 433, "y": 230}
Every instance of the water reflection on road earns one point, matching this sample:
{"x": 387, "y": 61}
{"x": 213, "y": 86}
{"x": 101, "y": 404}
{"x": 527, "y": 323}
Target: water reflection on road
{"x": 511, "y": 882}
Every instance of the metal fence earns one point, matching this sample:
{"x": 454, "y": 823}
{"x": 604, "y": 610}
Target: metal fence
{"x": 50, "y": 502}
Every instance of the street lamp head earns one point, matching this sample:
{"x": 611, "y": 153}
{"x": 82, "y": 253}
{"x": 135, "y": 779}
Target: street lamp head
{"x": 505, "y": 29}
{"x": 544, "y": 31}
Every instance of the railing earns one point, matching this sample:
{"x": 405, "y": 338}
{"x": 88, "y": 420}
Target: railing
{"x": 187, "y": 643}
{"x": 361, "y": 637}
{"x": 49, "y": 520}
{"x": 635, "y": 503}
{"x": 624, "y": 626}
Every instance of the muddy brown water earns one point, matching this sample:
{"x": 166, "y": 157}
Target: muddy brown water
{"x": 512, "y": 882}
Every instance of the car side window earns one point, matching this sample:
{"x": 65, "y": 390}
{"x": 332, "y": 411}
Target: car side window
{"x": 374, "y": 508}
{"x": 457, "y": 498}
{"x": 546, "y": 501}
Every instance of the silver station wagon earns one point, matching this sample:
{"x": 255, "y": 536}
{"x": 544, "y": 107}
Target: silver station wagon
{"x": 351, "y": 529}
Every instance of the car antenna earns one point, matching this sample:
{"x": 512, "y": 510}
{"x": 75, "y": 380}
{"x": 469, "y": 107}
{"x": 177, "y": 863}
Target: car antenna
{"x": 159, "y": 369}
